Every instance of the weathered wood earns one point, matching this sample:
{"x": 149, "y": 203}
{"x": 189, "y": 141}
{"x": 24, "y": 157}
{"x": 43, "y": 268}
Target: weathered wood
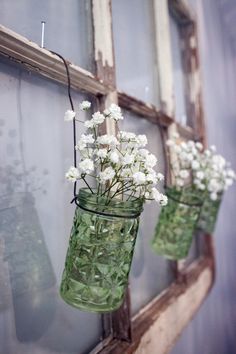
{"x": 164, "y": 61}
{"x": 42, "y": 61}
{"x": 181, "y": 11}
{"x": 145, "y": 110}
{"x": 155, "y": 326}
{"x": 103, "y": 41}
{"x": 121, "y": 320}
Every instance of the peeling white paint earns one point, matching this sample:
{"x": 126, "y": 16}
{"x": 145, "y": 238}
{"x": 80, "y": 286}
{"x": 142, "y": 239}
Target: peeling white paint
{"x": 161, "y": 336}
{"x": 103, "y": 32}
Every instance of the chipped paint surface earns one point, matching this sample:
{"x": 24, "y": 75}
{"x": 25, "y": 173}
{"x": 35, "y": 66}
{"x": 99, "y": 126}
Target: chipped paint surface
{"x": 103, "y": 32}
{"x": 161, "y": 336}
{"x": 163, "y": 46}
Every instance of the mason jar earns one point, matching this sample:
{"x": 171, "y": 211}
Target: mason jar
{"x": 100, "y": 252}
{"x": 177, "y": 223}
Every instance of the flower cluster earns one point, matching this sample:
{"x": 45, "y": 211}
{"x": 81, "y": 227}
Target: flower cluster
{"x": 120, "y": 164}
{"x": 204, "y": 169}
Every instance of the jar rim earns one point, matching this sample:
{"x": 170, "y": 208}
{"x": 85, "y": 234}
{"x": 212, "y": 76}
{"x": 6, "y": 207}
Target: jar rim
{"x": 180, "y": 196}
{"x": 115, "y": 207}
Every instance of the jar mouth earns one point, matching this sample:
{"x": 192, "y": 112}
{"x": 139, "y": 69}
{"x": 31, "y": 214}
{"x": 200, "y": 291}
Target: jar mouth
{"x": 110, "y": 207}
{"x": 188, "y": 196}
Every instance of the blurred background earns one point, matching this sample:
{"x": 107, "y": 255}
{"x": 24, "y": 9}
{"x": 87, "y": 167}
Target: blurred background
{"x": 36, "y": 150}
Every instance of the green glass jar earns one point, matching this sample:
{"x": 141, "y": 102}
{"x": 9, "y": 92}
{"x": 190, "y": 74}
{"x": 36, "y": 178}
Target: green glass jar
{"x": 177, "y": 222}
{"x": 208, "y": 215}
{"x": 100, "y": 252}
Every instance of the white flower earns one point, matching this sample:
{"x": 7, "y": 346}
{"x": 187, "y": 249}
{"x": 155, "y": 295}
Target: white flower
{"x": 102, "y": 153}
{"x": 195, "y": 165}
{"x": 189, "y": 157}
{"x": 85, "y": 105}
{"x": 175, "y": 135}
{"x": 126, "y": 173}
{"x": 231, "y": 174}
{"x": 159, "y": 197}
{"x": 213, "y": 196}
{"x": 163, "y": 200}
{"x": 160, "y": 177}
{"x": 200, "y": 175}
{"x": 72, "y": 174}
{"x": 107, "y": 174}
{"x": 86, "y": 166}
{"x": 114, "y": 112}
{"x": 152, "y": 177}
{"x": 143, "y": 152}
{"x": 179, "y": 182}
{"x": 177, "y": 149}
{"x": 107, "y": 140}
{"x": 89, "y": 124}
{"x": 199, "y": 146}
{"x": 213, "y": 148}
{"x": 84, "y": 140}
{"x": 151, "y": 160}
{"x": 127, "y": 159}
{"x": 201, "y": 186}
{"x": 170, "y": 142}
{"x": 141, "y": 140}
{"x": 98, "y": 118}
{"x": 184, "y": 174}
{"x": 126, "y": 136}
{"x": 69, "y": 115}
{"x": 139, "y": 178}
{"x": 114, "y": 157}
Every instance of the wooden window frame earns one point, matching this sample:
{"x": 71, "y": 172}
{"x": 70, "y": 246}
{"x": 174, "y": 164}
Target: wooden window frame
{"x": 153, "y": 323}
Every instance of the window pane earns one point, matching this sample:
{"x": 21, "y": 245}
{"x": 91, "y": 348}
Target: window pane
{"x": 179, "y": 90}
{"x": 135, "y": 51}
{"x": 68, "y": 28}
{"x": 150, "y": 273}
{"x": 35, "y": 219}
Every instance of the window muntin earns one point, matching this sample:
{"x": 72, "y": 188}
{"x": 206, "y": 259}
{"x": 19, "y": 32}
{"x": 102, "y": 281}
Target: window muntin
{"x": 178, "y": 73}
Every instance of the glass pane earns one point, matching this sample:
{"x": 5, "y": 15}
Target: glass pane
{"x": 179, "y": 91}
{"x": 35, "y": 219}
{"x": 150, "y": 273}
{"x": 135, "y": 51}
{"x": 68, "y": 28}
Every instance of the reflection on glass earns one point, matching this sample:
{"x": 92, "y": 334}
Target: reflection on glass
{"x": 35, "y": 219}
{"x": 150, "y": 273}
{"x": 68, "y": 28}
{"x": 179, "y": 88}
{"x": 135, "y": 49}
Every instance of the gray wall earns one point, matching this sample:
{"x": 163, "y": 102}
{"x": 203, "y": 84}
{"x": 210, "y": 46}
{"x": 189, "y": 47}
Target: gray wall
{"x": 213, "y": 329}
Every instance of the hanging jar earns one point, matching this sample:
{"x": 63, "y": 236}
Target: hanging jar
{"x": 100, "y": 252}
{"x": 176, "y": 225}
{"x": 209, "y": 213}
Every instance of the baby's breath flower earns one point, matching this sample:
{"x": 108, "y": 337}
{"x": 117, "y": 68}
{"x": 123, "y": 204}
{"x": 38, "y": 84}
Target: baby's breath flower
{"x": 97, "y": 118}
{"x": 141, "y": 140}
{"x": 72, "y": 174}
{"x": 139, "y": 178}
{"x": 127, "y": 159}
{"x": 107, "y": 140}
{"x": 85, "y": 105}
{"x": 69, "y": 115}
{"x": 151, "y": 160}
{"x": 102, "y": 153}
{"x": 114, "y": 112}
{"x": 107, "y": 174}
{"x": 86, "y": 166}
{"x": 84, "y": 140}
{"x": 114, "y": 157}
